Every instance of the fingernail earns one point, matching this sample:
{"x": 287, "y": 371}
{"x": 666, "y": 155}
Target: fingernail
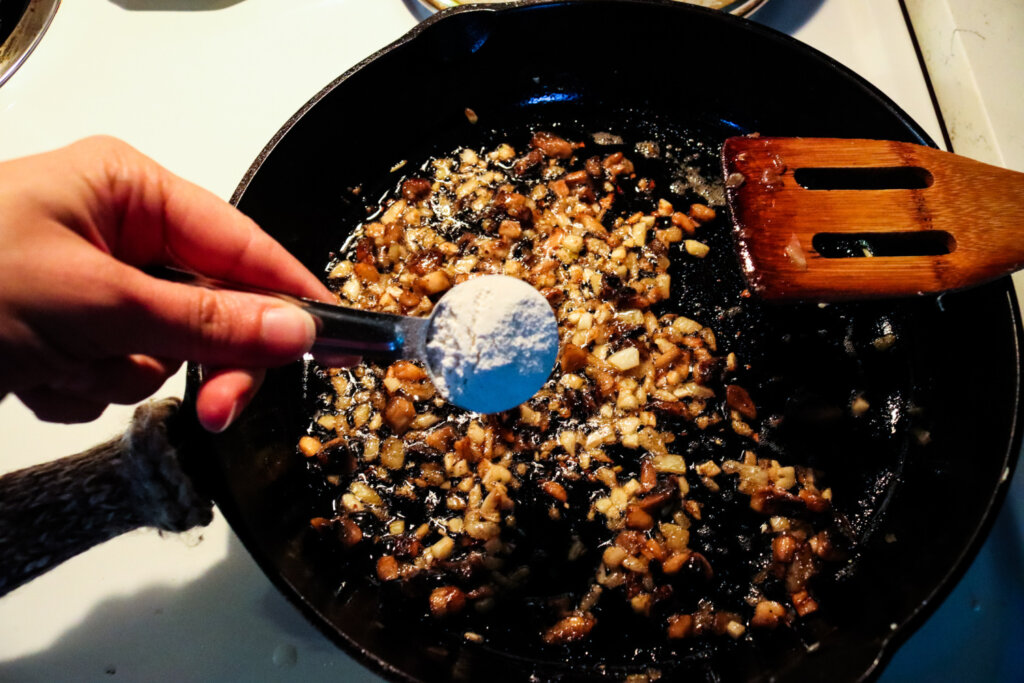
{"x": 218, "y": 427}
{"x": 288, "y": 330}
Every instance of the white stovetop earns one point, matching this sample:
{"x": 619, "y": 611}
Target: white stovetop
{"x": 201, "y": 86}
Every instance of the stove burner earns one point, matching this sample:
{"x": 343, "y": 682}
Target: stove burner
{"x": 22, "y": 24}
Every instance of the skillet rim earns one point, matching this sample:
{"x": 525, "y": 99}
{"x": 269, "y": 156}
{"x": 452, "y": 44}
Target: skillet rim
{"x": 891, "y": 642}
{"x": 425, "y": 25}
{"x": 1010, "y": 459}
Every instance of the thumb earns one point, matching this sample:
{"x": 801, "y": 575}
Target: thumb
{"x": 221, "y": 328}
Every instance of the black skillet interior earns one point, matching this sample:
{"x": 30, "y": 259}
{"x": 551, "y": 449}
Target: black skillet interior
{"x": 10, "y": 15}
{"x": 687, "y": 78}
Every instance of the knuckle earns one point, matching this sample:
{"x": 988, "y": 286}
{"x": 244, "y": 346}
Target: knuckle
{"x": 217, "y": 320}
{"x": 104, "y": 147}
{"x": 208, "y": 317}
{"x": 112, "y": 166}
{"x": 97, "y": 140}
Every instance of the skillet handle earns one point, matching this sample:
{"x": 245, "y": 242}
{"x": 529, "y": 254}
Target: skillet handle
{"x": 51, "y": 512}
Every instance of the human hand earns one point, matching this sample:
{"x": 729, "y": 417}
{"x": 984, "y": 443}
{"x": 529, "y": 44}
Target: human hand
{"x": 81, "y": 327}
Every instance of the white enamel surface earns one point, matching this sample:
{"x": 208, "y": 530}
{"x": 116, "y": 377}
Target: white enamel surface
{"x": 202, "y": 91}
{"x": 974, "y": 52}
{"x": 975, "y": 56}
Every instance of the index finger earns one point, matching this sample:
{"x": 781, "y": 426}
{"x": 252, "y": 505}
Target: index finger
{"x": 162, "y": 218}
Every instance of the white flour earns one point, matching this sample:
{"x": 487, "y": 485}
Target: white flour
{"x": 492, "y": 344}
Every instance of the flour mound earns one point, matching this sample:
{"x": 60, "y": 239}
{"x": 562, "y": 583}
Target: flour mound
{"x": 492, "y": 344}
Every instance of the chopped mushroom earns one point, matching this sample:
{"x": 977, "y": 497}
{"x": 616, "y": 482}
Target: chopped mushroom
{"x": 436, "y": 496}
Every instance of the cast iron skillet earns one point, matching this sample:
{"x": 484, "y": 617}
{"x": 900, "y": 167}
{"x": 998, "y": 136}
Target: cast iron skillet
{"x": 685, "y": 77}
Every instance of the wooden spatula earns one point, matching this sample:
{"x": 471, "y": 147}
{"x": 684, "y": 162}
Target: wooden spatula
{"x": 825, "y": 219}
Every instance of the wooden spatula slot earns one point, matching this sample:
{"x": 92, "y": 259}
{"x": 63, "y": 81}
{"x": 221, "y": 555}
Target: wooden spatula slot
{"x": 875, "y": 178}
{"x": 873, "y": 244}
